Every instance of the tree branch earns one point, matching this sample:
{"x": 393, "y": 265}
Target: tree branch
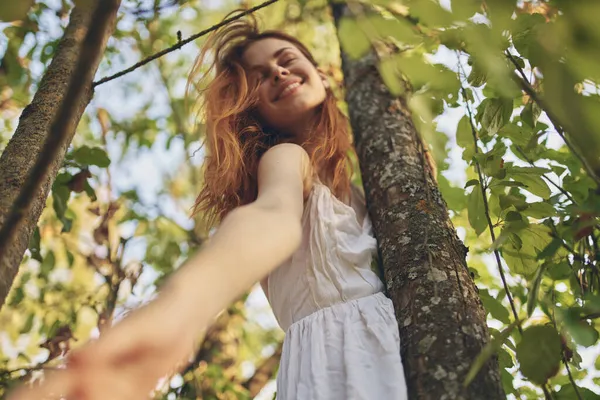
{"x": 182, "y": 43}
{"x": 91, "y": 51}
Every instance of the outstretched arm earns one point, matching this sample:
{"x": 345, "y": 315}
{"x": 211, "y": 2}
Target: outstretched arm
{"x": 129, "y": 359}
{"x": 253, "y": 239}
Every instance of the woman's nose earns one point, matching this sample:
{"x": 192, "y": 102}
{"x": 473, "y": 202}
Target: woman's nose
{"x": 279, "y": 73}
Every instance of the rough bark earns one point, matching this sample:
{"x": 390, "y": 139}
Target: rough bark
{"x": 441, "y": 319}
{"x": 27, "y": 143}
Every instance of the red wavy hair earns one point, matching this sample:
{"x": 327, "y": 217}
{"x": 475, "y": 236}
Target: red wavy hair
{"x": 235, "y": 140}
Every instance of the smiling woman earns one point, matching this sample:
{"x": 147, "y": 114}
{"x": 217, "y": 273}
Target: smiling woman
{"x": 342, "y": 338}
{"x": 247, "y": 112}
{"x": 277, "y": 180}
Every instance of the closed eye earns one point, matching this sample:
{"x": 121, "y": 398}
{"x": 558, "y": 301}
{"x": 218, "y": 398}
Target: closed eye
{"x": 288, "y": 61}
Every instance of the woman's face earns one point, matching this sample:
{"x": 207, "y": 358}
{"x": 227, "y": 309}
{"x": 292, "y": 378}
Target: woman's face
{"x": 290, "y": 88}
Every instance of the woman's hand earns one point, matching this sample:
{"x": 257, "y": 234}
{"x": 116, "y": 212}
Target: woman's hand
{"x": 128, "y": 359}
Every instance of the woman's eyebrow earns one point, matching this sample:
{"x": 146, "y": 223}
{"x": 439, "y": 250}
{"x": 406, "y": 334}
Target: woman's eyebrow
{"x": 275, "y": 55}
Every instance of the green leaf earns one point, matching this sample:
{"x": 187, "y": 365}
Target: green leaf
{"x": 24, "y": 357}
{"x": 535, "y": 288}
{"x": 60, "y": 198}
{"x": 540, "y": 210}
{"x": 551, "y": 249}
{"x": 34, "y": 245}
{"x": 422, "y": 73}
{"x": 51, "y": 332}
{"x": 476, "y": 210}
{"x": 89, "y": 190}
{"x": 464, "y": 9}
{"x": 47, "y": 264}
{"x": 17, "y": 297}
{"x": 70, "y": 258}
{"x": 580, "y": 330}
{"x": 430, "y": 13}
{"x": 513, "y": 200}
{"x": 494, "y": 307}
{"x": 513, "y": 216}
{"x": 487, "y": 352}
{"x": 353, "y": 40}
{"x": 454, "y": 196}
{"x": 28, "y": 324}
{"x": 494, "y": 113}
{"x": 592, "y": 303}
{"x": 388, "y": 69}
{"x": 530, "y": 114}
{"x": 514, "y": 222}
{"x": 559, "y": 271}
{"x": 530, "y": 176}
{"x": 471, "y": 182}
{"x": 525, "y": 31}
{"x": 505, "y": 360}
{"x": 539, "y": 353}
{"x": 523, "y": 260}
{"x": 67, "y": 225}
{"x": 535, "y": 185}
{"x": 464, "y": 134}
{"x": 507, "y": 381}
{"x": 477, "y": 76}
{"x": 91, "y": 156}
{"x": 567, "y": 392}
{"x": 519, "y": 135}
{"x": 494, "y": 167}
{"x": 400, "y": 29}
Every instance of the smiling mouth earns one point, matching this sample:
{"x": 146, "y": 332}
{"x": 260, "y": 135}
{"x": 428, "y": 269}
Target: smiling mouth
{"x": 289, "y": 90}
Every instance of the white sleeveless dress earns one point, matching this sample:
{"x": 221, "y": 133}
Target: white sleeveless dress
{"x": 342, "y": 338}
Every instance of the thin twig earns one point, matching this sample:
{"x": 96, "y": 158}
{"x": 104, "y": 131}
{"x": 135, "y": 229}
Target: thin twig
{"x": 558, "y": 127}
{"x": 571, "y": 377}
{"x": 182, "y": 43}
{"x": 63, "y": 121}
{"x": 487, "y": 210}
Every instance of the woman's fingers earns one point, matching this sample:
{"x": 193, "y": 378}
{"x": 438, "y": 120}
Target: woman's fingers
{"x": 89, "y": 383}
{"x": 126, "y": 362}
{"x": 55, "y": 386}
{"x": 109, "y": 383}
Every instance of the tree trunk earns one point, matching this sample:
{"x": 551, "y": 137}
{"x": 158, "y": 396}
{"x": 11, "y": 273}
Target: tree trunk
{"x": 441, "y": 318}
{"x": 28, "y": 141}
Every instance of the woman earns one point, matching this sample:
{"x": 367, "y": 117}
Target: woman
{"x": 277, "y": 180}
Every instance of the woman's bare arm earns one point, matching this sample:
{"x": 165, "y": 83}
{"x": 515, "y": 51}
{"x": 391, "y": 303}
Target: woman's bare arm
{"x": 253, "y": 239}
{"x": 128, "y": 359}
